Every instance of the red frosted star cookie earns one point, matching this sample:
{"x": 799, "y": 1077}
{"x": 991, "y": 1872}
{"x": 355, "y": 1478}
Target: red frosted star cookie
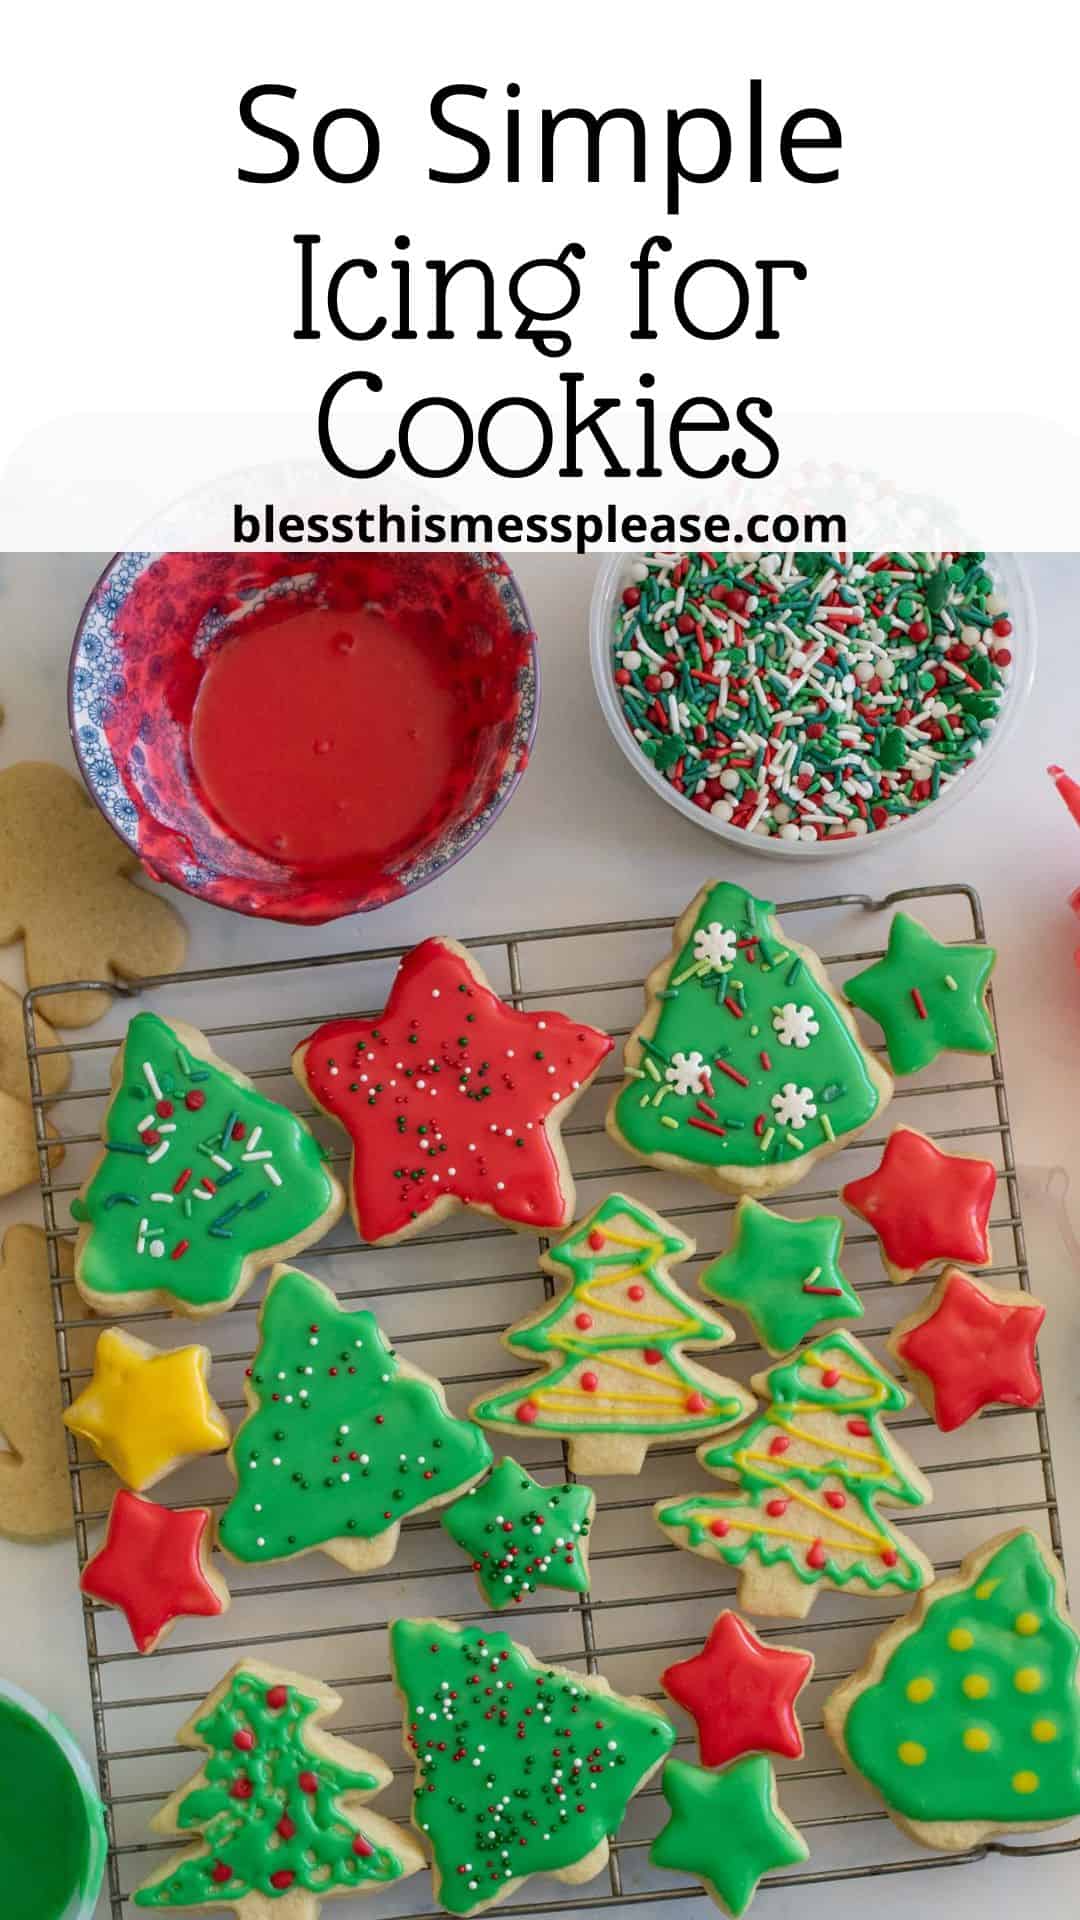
{"x": 971, "y": 1346}
{"x": 452, "y": 1099}
{"x": 925, "y": 1205}
{"x": 155, "y": 1566}
{"x": 741, "y": 1693}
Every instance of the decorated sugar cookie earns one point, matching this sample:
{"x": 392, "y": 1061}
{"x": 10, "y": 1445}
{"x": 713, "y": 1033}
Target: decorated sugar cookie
{"x": 521, "y": 1768}
{"x": 965, "y": 1719}
{"x": 155, "y": 1566}
{"x": 741, "y": 1693}
{"x": 146, "y": 1412}
{"x": 343, "y": 1439}
{"x": 926, "y": 1206}
{"x": 521, "y": 1535}
{"x": 747, "y": 1066}
{"x": 813, "y": 1469}
{"x": 203, "y": 1181}
{"x": 726, "y": 1829}
{"x": 616, "y": 1376}
{"x": 452, "y": 1099}
{"x": 971, "y": 1346}
{"x": 927, "y": 998}
{"x": 279, "y": 1806}
{"x": 783, "y": 1274}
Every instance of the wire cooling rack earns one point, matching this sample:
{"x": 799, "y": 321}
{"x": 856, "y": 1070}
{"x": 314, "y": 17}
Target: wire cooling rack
{"x": 446, "y": 1297}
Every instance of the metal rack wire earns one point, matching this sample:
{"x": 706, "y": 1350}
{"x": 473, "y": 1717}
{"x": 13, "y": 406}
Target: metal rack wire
{"x": 447, "y": 1296}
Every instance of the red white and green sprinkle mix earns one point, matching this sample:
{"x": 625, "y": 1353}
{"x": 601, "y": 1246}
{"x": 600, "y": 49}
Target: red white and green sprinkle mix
{"x": 811, "y": 696}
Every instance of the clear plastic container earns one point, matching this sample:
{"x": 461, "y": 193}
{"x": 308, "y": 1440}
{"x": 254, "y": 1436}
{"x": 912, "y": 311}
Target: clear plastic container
{"x": 1010, "y": 578}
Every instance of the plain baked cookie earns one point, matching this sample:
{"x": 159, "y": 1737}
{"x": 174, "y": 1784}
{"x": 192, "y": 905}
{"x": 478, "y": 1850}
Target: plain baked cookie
{"x": 452, "y": 1099}
{"x": 280, "y": 1805}
{"x": 66, "y": 888}
{"x": 746, "y": 1067}
{"x": 202, "y": 1181}
{"x": 965, "y": 1719}
{"x": 35, "y": 1481}
{"x": 18, "y": 1148}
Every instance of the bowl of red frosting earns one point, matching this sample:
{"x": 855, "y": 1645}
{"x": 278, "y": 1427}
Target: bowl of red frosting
{"x": 303, "y": 736}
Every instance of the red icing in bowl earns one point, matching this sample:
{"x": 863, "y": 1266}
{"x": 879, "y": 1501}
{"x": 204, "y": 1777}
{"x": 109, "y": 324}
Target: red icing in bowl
{"x": 304, "y": 736}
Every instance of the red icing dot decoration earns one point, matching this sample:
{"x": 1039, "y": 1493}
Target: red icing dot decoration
{"x": 636, "y": 1292}
{"x": 835, "y": 1499}
{"x": 163, "y": 1109}
{"x": 779, "y": 1443}
{"x": 194, "y": 1099}
{"x": 527, "y": 1412}
{"x": 816, "y": 1556}
{"x": 596, "y": 1239}
{"x": 308, "y": 1782}
{"x": 150, "y": 1137}
{"x": 243, "y": 1740}
{"x": 776, "y": 1508}
{"x": 859, "y": 1427}
{"x": 652, "y": 1356}
{"x": 889, "y": 1556}
{"x": 583, "y": 1321}
{"x": 283, "y": 1878}
{"x": 695, "y": 1403}
{"x": 286, "y": 1827}
{"x": 590, "y": 1382}
{"x": 719, "y": 1527}
{"x": 830, "y": 1377}
{"x": 220, "y": 1873}
{"x": 361, "y": 1847}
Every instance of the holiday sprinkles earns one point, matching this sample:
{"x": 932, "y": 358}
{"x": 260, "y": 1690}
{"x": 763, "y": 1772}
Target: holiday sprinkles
{"x": 811, "y": 696}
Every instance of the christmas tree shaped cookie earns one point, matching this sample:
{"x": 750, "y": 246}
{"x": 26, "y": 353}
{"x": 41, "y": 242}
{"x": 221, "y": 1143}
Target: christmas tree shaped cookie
{"x": 616, "y": 1375}
{"x": 203, "y": 1181}
{"x": 520, "y": 1768}
{"x": 746, "y": 1067}
{"x": 813, "y": 1468}
{"x": 966, "y": 1717}
{"x": 452, "y": 1099}
{"x": 344, "y": 1439}
{"x": 279, "y": 1805}
{"x": 783, "y": 1274}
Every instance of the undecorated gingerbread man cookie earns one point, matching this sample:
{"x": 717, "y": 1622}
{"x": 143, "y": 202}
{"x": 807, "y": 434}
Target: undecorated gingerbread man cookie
{"x": 65, "y": 885}
{"x": 35, "y": 1482}
{"x": 18, "y": 1148}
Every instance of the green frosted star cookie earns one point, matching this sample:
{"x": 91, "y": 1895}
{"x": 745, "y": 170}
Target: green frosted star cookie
{"x": 727, "y": 1829}
{"x": 927, "y": 998}
{"x": 783, "y": 1275}
{"x": 521, "y": 1535}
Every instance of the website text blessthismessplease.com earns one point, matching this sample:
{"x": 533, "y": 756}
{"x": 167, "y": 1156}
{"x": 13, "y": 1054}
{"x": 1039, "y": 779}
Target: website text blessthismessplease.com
{"x": 382, "y": 526}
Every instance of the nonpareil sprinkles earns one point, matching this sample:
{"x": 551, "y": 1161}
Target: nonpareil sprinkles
{"x": 811, "y": 696}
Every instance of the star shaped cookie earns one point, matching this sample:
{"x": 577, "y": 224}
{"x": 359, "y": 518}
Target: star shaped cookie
{"x": 925, "y": 1205}
{"x": 146, "y": 1412}
{"x": 783, "y": 1274}
{"x": 741, "y": 1693}
{"x": 452, "y": 1099}
{"x": 726, "y": 1829}
{"x": 155, "y": 1567}
{"x": 971, "y": 1346}
{"x": 928, "y": 998}
{"x": 521, "y": 1535}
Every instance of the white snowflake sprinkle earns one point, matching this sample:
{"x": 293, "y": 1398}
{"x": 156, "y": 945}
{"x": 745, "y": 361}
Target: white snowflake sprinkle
{"x": 794, "y": 1106}
{"x": 795, "y": 1026}
{"x": 687, "y": 1072}
{"x": 716, "y": 945}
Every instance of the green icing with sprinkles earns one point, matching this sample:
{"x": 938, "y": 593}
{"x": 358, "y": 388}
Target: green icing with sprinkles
{"x": 811, "y": 695}
{"x": 520, "y": 1768}
{"x": 752, "y": 1062}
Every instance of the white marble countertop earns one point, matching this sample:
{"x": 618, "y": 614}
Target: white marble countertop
{"x": 1013, "y": 840}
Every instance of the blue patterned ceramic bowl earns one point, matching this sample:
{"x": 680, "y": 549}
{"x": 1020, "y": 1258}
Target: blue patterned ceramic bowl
{"x": 151, "y": 628}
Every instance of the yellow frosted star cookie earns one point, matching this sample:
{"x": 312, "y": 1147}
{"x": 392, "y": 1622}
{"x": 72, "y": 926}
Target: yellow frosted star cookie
{"x": 146, "y": 1412}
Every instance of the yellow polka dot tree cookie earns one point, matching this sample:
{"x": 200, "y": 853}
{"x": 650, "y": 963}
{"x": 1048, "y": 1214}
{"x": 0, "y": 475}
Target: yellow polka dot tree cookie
{"x": 966, "y": 1717}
